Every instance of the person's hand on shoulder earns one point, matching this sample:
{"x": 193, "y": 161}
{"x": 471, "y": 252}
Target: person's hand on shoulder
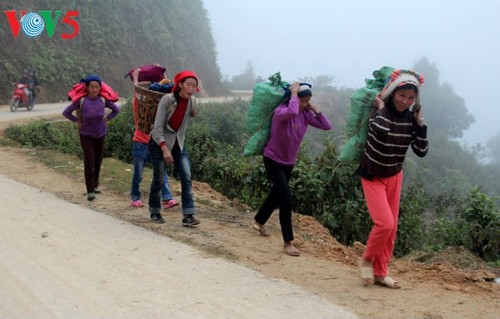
{"x": 135, "y": 75}
{"x": 418, "y": 114}
{"x": 313, "y": 108}
{"x": 294, "y": 88}
{"x": 378, "y": 102}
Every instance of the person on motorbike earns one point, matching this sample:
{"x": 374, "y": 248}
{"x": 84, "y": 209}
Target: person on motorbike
{"x": 28, "y": 80}
{"x": 36, "y": 82}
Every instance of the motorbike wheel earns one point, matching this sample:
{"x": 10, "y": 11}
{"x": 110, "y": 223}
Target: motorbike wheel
{"x": 14, "y": 103}
{"x": 30, "y": 106}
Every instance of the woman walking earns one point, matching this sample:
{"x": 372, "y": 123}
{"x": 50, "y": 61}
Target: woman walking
{"x": 395, "y": 124}
{"x": 288, "y": 128}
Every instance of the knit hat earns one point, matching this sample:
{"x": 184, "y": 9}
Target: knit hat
{"x": 91, "y": 78}
{"x": 399, "y": 78}
{"x": 181, "y": 76}
{"x": 304, "y": 90}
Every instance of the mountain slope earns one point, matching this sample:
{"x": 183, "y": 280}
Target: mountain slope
{"x": 113, "y": 37}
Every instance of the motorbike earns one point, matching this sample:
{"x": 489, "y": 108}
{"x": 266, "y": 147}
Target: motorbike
{"x": 21, "y": 98}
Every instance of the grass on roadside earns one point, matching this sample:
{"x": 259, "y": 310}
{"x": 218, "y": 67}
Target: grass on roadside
{"x": 116, "y": 175}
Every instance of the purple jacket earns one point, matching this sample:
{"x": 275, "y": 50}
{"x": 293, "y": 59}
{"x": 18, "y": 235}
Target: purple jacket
{"x": 288, "y": 129}
{"x": 93, "y": 115}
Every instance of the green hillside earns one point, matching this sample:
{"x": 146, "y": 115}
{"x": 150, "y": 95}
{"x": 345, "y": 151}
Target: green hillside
{"x": 113, "y": 37}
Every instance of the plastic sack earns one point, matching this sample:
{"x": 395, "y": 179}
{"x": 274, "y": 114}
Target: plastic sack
{"x": 357, "y": 120}
{"x": 266, "y": 97}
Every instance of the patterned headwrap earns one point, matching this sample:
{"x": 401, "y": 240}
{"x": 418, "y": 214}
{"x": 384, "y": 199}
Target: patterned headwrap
{"x": 181, "y": 76}
{"x": 399, "y": 78}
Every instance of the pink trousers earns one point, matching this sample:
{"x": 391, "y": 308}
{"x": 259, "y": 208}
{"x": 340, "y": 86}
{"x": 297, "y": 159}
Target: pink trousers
{"x": 382, "y": 197}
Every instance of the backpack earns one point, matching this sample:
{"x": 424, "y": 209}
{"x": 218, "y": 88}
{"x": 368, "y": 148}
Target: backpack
{"x": 357, "y": 119}
{"x": 266, "y": 97}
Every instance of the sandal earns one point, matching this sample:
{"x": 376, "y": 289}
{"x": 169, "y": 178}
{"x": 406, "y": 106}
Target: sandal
{"x": 387, "y": 282}
{"x": 366, "y": 274}
{"x": 261, "y": 229}
{"x": 290, "y": 250}
{"x": 170, "y": 203}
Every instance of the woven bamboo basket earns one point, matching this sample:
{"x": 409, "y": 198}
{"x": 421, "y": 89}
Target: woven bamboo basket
{"x": 147, "y": 102}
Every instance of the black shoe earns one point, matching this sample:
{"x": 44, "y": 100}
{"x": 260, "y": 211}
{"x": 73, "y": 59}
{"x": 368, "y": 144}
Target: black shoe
{"x": 90, "y": 196}
{"x": 157, "y": 218}
{"x": 190, "y": 221}
{"x": 97, "y": 191}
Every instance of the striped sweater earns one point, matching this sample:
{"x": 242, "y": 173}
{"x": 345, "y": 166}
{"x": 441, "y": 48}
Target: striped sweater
{"x": 390, "y": 135}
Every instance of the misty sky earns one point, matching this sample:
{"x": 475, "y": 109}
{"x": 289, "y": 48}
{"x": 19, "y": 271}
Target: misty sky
{"x": 349, "y": 39}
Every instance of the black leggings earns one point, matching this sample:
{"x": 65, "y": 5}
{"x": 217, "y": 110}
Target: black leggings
{"x": 93, "y": 152}
{"x": 279, "y": 197}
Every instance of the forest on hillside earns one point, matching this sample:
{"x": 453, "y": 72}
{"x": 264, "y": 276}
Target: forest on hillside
{"x": 113, "y": 37}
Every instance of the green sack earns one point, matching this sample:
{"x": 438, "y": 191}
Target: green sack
{"x": 357, "y": 120}
{"x": 266, "y": 97}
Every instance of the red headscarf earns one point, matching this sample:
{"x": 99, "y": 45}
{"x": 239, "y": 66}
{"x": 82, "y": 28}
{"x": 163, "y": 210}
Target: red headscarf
{"x": 181, "y": 76}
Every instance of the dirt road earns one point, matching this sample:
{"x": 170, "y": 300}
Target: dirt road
{"x": 62, "y": 260}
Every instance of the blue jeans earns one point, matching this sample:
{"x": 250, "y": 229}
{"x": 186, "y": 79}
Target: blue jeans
{"x": 141, "y": 155}
{"x": 183, "y": 166}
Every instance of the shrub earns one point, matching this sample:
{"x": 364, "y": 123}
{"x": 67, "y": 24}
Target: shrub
{"x": 484, "y": 222}
{"x": 411, "y": 226}
{"x": 60, "y": 136}
{"x": 224, "y": 122}
{"x": 118, "y": 143}
{"x": 342, "y": 208}
{"x": 445, "y": 227}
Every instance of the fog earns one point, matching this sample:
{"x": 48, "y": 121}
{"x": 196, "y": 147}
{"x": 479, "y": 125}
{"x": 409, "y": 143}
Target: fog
{"x": 349, "y": 39}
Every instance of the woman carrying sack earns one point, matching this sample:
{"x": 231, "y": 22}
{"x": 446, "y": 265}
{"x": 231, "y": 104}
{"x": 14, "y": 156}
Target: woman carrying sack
{"x": 289, "y": 125}
{"x": 395, "y": 124}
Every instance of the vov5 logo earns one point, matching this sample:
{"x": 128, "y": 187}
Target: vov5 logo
{"x": 33, "y": 23}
